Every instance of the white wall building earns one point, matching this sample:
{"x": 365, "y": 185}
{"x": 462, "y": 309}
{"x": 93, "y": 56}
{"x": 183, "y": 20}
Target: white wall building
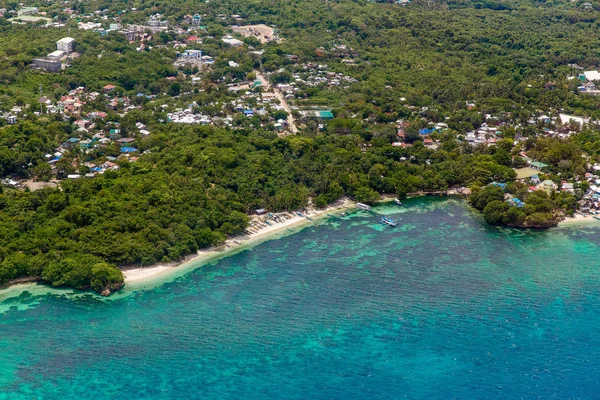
{"x": 65, "y": 44}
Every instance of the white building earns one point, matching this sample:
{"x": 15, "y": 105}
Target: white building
{"x": 56, "y": 55}
{"x": 65, "y": 44}
{"x": 232, "y": 41}
{"x": 191, "y": 54}
{"x": 156, "y": 22}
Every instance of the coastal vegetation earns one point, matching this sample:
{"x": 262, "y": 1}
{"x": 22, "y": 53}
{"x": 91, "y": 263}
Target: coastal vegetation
{"x": 456, "y": 65}
{"x": 195, "y": 186}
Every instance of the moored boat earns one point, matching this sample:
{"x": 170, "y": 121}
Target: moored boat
{"x": 388, "y": 221}
{"x": 363, "y": 207}
{"x": 397, "y": 201}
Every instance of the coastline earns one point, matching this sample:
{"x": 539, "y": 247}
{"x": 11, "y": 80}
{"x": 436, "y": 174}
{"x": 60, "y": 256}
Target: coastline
{"x": 258, "y": 232}
{"x": 152, "y": 275}
{"x": 578, "y": 218}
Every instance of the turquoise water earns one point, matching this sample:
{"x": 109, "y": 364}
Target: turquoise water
{"x": 441, "y": 307}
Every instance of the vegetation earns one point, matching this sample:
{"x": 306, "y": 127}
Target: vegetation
{"x": 193, "y": 185}
{"x": 538, "y": 211}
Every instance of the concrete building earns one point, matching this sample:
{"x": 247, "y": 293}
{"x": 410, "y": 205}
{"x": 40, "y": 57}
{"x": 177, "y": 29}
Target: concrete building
{"x": 56, "y": 55}
{"x": 65, "y": 44}
{"x": 232, "y": 41}
{"x": 155, "y": 22}
{"x": 191, "y": 54}
{"x": 130, "y": 35}
{"x": 49, "y": 64}
{"x": 27, "y": 11}
{"x": 143, "y": 28}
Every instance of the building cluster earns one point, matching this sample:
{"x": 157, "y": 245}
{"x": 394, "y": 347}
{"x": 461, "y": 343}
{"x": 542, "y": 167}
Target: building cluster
{"x": 188, "y": 116}
{"x": 193, "y": 57}
{"x": 588, "y": 81}
{"x": 319, "y": 75}
{"x": 53, "y": 62}
{"x": 155, "y": 24}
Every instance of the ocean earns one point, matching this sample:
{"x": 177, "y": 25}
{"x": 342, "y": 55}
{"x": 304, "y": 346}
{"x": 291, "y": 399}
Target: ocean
{"x": 441, "y": 307}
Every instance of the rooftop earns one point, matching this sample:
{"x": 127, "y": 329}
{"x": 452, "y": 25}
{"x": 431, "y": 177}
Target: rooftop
{"x": 66, "y": 40}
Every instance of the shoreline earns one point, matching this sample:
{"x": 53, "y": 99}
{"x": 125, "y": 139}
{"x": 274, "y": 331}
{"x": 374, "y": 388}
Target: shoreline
{"x": 257, "y": 233}
{"x": 141, "y": 277}
{"x": 578, "y": 218}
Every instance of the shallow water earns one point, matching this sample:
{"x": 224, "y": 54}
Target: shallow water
{"x": 441, "y": 307}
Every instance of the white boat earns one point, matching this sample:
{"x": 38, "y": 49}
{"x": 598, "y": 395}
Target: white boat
{"x": 363, "y": 207}
{"x": 397, "y": 201}
{"x": 388, "y": 221}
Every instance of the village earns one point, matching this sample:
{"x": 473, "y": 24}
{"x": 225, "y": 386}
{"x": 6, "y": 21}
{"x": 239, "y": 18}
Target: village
{"x": 279, "y": 101}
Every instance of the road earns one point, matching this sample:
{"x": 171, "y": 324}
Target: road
{"x": 290, "y": 118}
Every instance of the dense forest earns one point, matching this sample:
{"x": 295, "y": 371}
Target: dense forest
{"x": 196, "y": 186}
{"x": 192, "y": 186}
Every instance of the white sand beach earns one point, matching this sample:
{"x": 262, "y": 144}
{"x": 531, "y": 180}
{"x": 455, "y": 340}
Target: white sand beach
{"x": 258, "y": 232}
{"x": 578, "y": 219}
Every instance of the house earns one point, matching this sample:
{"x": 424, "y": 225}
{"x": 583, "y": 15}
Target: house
{"x": 567, "y": 187}
{"x": 325, "y": 114}
{"x": 27, "y": 11}
{"x": 584, "y": 206}
{"x": 125, "y": 140}
{"x": 537, "y": 165}
{"x": 513, "y": 201}
{"x": 156, "y": 22}
{"x": 44, "y": 100}
{"x": 568, "y": 119}
{"x": 11, "y": 119}
{"x": 191, "y": 54}
{"x": 129, "y": 34}
{"x": 193, "y": 39}
{"x": 548, "y": 186}
{"x": 108, "y": 88}
{"x": 232, "y": 41}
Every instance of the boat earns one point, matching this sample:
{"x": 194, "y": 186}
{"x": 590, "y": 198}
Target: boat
{"x": 388, "y": 221}
{"x": 397, "y": 201}
{"x": 363, "y": 207}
